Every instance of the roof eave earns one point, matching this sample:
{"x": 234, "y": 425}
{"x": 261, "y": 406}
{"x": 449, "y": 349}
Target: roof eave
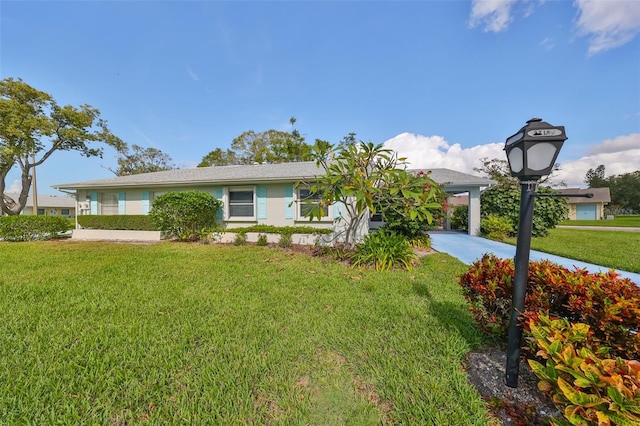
{"x": 89, "y": 185}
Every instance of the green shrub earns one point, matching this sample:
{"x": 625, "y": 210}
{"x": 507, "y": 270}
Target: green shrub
{"x": 610, "y": 305}
{"x": 271, "y": 229}
{"x": 460, "y": 218}
{"x": 504, "y": 200}
{"x": 262, "y": 240}
{"x": 337, "y": 251}
{"x": 31, "y": 228}
{"x": 496, "y": 228}
{"x": 420, "y": 241}
{"x": 285, "y": 240}
{"x": 384, "y": 250}
{"x": 130, "y": 222}
{"x": 240, "y": 239}
{"x": 185, "y": 215}
{"x": 588, "y": 386}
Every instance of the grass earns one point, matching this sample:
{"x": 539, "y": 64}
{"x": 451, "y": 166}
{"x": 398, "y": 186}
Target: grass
{"x": 612, "y": 249}
{"x": 169, "y": 333}
{"x": 632, "y": 221}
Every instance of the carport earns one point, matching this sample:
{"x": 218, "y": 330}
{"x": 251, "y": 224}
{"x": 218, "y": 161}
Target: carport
{"x": 459, "y": 183}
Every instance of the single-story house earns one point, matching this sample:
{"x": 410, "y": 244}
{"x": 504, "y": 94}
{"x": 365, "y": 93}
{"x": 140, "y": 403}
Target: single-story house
{"x": 582, "y": 208}
{"x": 251, "y": 194}
{"x": 49, "y": 205}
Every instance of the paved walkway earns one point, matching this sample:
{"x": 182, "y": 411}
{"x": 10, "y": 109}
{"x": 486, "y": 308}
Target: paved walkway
{"x": 468, "y": 249}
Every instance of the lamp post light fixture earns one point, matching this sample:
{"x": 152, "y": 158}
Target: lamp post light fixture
{"x": 531, "y": 153}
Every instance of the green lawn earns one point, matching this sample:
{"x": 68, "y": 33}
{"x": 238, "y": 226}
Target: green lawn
{"x": 632, "y": 221}
{"x": 169, "y": 333}
{"x": 613, "y": 249}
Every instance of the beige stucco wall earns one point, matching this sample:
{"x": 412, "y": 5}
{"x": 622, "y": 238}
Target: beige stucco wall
{"x": 276, "y": 204}
{"x": 51, "y": 211}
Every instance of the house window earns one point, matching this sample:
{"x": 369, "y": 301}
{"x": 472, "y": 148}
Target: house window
{"x": 40, "y": 212}
{"x": 241, "y": 203}
{"x": 64, "y": 212}
{"x": 307, "y": 201}
{"x": 109, "y": 203}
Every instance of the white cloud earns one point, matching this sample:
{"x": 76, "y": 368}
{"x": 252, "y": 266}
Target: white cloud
{"x": 620, "y": 143}
{"x": 547, "y": 44}
{"x": 192, "y": 74}
{"x": 618, "y": 155}
{"x": 616, "y": 163}
{"x": 15, "y": 187}
{"x": 432, "y": 152}
{"x": 493, "y": 15}
{"x": 608, "y": 24}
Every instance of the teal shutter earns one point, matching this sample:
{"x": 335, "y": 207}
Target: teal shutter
{"x": 338, "y": 210}
{"x": 93, "y": 200}
{"x": 288, "y": 202}
{"x": 262, "y": 202}
{"x": 146, "y": 205}
{"x": 121, "y": 203}
{"x": 218, "y": 194}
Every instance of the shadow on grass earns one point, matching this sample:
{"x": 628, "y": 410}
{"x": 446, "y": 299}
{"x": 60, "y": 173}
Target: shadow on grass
{"x": 457, "y": 319}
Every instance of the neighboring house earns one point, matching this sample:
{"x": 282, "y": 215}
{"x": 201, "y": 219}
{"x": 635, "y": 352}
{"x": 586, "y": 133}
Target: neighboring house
{"x": 50, "y": 205}
{"x": 253, "y": 194}
{"x": 582, "y": 208}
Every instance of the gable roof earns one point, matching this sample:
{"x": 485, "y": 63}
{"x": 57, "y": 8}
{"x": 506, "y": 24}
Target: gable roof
{"x": 600, "y": 195}
{"x": 48, "y": 201}
{"x": 453, "y": 178}
{"x": 285, "y": 172}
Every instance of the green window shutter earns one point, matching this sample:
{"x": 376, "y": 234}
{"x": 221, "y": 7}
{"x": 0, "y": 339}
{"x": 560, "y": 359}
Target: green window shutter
{"x": 145, "y": 202}
{"x": 338, "y": 210}
{"x": 262, "y": 202}
{"x": 121, "y": 203}
{"x": 93, "y": 201}
{"x": 288, "y": 202}
{"x": 218, "y": 194}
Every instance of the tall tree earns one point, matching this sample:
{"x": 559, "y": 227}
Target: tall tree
{"x": 495, "y": 169}
{"x": 498, "y": 170}
{"x": 625, "y": 191}
{"x": 270, "y": 146}
{"x": 595, "y": 178}
{"x": 141, "y": 160}
{"x": 218, "y": 157}
{"x": 33, "y": 126}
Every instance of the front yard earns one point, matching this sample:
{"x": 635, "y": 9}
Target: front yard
{"x": 169, "y": 333}
{"x": 612, "y": 249}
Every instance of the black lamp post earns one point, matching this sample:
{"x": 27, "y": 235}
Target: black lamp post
{"x": 531, "y": 153}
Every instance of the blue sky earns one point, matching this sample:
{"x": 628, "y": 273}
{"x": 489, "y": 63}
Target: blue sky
{"x": 442, "y": 82}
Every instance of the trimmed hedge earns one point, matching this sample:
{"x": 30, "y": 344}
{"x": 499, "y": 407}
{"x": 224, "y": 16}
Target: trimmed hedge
{"x": 283, "y": 230}
{"x": 137, "y": 222}
{"x": 32, "y": 228}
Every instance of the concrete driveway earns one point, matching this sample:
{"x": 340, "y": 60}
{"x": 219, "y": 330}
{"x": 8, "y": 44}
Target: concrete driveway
{"x": 468, "y": 249}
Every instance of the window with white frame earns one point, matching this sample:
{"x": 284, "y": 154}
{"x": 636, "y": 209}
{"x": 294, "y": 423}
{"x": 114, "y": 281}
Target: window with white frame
{"x": 109, "y": 203}
{"x": 241, "y": 203}
{"x": 307, "y": 201}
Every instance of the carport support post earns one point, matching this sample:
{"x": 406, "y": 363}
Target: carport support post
{"x": 523, "y": 248}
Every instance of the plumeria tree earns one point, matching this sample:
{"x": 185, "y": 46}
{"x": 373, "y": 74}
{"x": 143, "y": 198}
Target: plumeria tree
{"x": 365, "y": 178}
